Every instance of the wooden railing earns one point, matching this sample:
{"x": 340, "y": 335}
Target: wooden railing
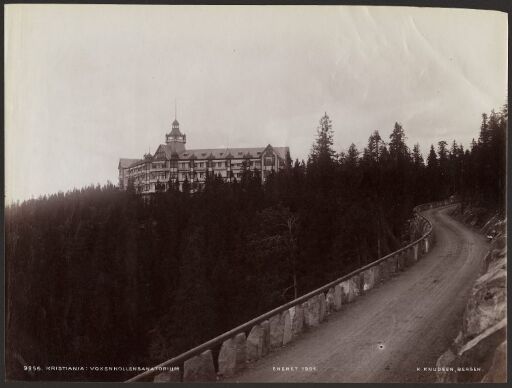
{"x": 347, "y": 287}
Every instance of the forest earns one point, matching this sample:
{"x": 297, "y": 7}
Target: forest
{"x": 100, "y": 277}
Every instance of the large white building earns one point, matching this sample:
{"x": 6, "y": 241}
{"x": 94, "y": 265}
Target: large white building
{"x": 173, "y": 162}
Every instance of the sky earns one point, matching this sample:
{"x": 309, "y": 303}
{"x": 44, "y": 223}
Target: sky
{"x": 89, "y": 84}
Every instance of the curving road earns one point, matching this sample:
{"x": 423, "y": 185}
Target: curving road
{"x": 395, "y": 328}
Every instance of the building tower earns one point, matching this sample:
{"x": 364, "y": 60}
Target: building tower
{"x": 175, "y": 136}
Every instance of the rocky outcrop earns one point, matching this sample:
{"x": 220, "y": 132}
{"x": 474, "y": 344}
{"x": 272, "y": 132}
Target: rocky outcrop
{"x": 498, "y": 371}
{"x": 481, "y": 343}
{"x": 479, "y": 218}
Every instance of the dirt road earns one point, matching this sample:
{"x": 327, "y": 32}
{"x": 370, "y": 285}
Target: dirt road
{"x": 397, "y": 327}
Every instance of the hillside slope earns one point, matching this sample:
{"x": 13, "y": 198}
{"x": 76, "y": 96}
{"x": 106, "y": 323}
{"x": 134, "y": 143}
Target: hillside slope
{"x": 394, "y": 329}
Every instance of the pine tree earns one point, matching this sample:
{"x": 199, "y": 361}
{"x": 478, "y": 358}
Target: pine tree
{"x": 398, "y": 150}
{"x": 417, "y": 157}
{"x": 375, "y": 148}
{"x": 352, "y": 158}
{"x": 432, "y": 158}
{"x": 484, "y": 137}
{"x": 322, "y": 151}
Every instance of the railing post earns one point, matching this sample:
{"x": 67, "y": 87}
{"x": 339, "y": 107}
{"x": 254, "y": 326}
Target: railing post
{"x": 393, "y": 264}
{"x": 199, "y": 368}
{"x": 311, "y": 313}
{"x": 255, "y": 343}
{"x": 276, "y": 331}
{"x": 287, "y": 327}
{"x": 401, "y": 261}
{"x": 377, "y": 275}
{"x": 409, "y": 257}
{"x": 357, "y": 284}
{"x": 329, "y": 301}
{"x": 232, "y": 355}
{"x": 265, "y": 326}
{"x": 348, "y": 292}
{"x": 322, "y": 307}
{"x": 383, "y": 271}
{"x": 367, "y": 280}
{"x": 297, "y": 319}
{"x": 338, "y": 297}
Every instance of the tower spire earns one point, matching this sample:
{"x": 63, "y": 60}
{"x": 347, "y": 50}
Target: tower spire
{"x": 175, "y": 135}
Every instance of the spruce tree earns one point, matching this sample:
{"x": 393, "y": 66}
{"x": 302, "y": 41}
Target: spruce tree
{"x": 322, "y": 151}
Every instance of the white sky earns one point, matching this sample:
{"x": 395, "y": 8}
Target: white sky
{"x": 88, "y": 84}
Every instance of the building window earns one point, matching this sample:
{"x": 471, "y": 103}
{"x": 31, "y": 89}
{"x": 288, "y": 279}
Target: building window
{"x": 219, "y": 164}
{"x": 269, "y": 160}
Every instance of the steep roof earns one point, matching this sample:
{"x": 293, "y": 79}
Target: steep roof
{"x": 125, "y": 163}
{"x": 281, "y": 151}
{"x": 221, "y": 153}
{"x": 236, "y": 153}
{"x": 171, "y": 150}
{"x": 176, "y": 151}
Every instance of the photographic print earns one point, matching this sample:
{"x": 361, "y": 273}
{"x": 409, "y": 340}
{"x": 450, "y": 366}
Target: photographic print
{"x": 255, "y": 193}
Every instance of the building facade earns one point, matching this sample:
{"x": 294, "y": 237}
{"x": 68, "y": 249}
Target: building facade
{"x": 173, "y": 164}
